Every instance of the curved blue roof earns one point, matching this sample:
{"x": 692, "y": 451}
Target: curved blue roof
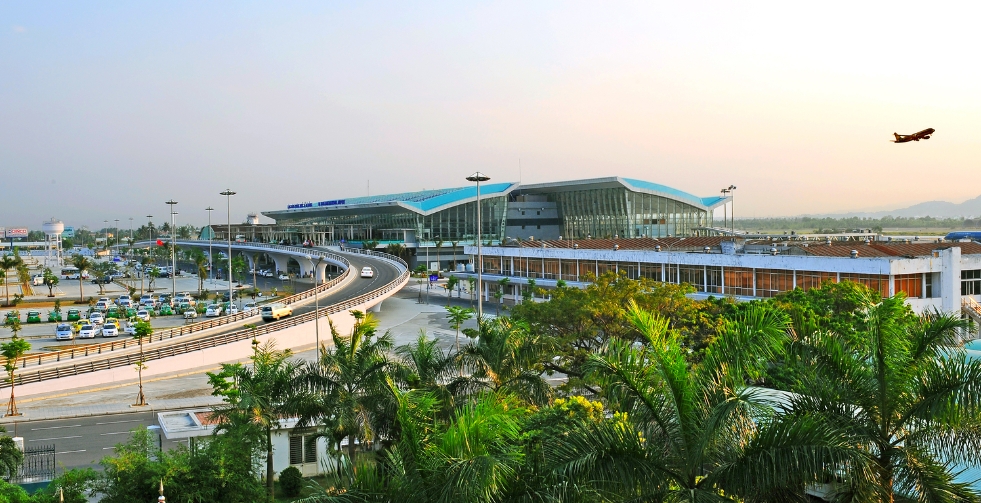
{"x": 423, "y": 200}
{"x": 677, "y": 194}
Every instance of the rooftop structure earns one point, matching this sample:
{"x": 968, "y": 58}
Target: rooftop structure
{"x": 598, "y": 207}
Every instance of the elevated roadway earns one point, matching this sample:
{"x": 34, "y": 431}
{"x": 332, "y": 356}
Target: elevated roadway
{"x": 349, "y": 291}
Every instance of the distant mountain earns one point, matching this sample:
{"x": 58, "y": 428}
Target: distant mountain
{"x": 936, "y": 209}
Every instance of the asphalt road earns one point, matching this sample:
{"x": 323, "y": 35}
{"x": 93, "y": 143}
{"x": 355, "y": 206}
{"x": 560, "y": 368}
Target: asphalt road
{"x": 82, "y": 442}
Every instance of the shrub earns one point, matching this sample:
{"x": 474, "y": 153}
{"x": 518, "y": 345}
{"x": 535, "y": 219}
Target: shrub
{"x": 291, "y": 481}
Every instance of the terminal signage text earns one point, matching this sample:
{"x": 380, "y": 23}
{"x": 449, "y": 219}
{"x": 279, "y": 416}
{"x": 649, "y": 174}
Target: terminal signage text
{"x": 334, "y": 202}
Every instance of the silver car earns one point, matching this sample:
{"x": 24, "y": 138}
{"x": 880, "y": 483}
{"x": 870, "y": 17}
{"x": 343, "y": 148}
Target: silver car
{"x": 64, "y": 332}
{"x": 87, "y": 332}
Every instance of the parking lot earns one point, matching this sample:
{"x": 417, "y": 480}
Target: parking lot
{"x": 42, "y": 335}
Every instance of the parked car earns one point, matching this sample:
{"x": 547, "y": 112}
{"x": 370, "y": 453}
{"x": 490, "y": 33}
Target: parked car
{"x": 213, "y": 310}
{"x": 148, "y": 300}
{"x": 124, "y": 302}
{"x": 34, "y": 316}
{"x": 367, "y": 272}
{"x": 112, "y": 312}
{"x": 54, "y": 316}
{"x": 97, "y": 318}
{"x": 87, "y": 332}
{"x": 166, "y": 310}
{"x": 101, "y": 306}
{"x": 10, "y": 316}
{"x": 130, "y": 329}
{"x": 284, "y": 277}
{"x": 37, "y": 280}
{"x": 110, "y": 330}
{"x": 267, "y": 274}
{"x": 74, "y": 315}
{"x": 104, "y": 280}
{"x": 143, "y": 315}
{"x": 251, "y": 308}
{"x": 64, "y": 332}
{"x": 190, "y": 313}
{"x": 165, "y": 301}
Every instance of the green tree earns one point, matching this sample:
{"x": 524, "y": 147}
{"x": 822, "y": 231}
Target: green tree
{"x": 201, "y": 266}
{"x": 239, "y": 267}
{"x": 502, "y": 285}
{"x": 457, "y": 316}
{"x": 11, "y": 351}
{"x": 451, "y": 283}
{"x": 425, "y": 366}
{"x": 8, "y": 262}
{"x": 903, "y": 392}
{"x": 143, "y": 331}
{"x": 11, "y": 456}
{"x": 256, "y": 396}
{"x": 508, "y": 358}
{"x": 345, "y": 386}
{"x": 83, "y": 264}
{"x": 699, "y": 433}
{"x": 101, "y": 270}
{"x": 51, "y": 280}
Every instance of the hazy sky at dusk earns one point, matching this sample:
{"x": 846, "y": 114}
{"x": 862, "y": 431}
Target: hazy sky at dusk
{"x": 107, "y": 109}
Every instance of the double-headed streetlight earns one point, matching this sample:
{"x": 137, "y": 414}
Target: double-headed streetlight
{"x": 478, "y": 177}
{"x": 732, "y": 221}
{"x": 211, "y": 235}
{"x": 173, "y": 249}
{"x": 228, "y": 203}
{"x": 106, "y": 233}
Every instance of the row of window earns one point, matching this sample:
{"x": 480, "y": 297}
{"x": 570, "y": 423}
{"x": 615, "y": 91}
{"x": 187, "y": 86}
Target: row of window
{"x": 710, "y": 279}
{"x": 971, "y": 282}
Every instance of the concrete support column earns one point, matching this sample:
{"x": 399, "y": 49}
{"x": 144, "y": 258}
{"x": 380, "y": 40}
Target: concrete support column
{"x": 250, "y": 257}
{"x": 322, "y": 271}
{"x": 950, "y": 280}
{"x": 376, "y": 308}
{"x": 281, "y": 262}
{"x": 306, "y": 265}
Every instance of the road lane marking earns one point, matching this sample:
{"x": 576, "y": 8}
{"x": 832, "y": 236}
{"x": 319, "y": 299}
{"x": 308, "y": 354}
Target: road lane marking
{"x": 116, "y": 433}
{"x": 55, "y": 427}
{"x": 107, "y": 448}
{"x": 55, "y": 438}
{"x": 70, "y": 452}
{"x": 127, "y": 421}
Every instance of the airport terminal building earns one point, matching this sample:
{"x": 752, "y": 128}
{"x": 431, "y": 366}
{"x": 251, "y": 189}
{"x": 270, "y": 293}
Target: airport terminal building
{"x": 611, "y": 207}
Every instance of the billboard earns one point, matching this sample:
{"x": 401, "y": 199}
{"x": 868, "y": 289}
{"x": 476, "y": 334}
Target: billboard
{"x": 69, "y": 232}
{"x": 16, "y": 232}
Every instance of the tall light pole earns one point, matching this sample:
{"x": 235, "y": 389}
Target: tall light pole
{"x": 478, "y": 177}
{"x": 211, "y": 236}
{"x": 131, "y": 233}
{"x": 228, "y": 203}
{"x": 316, "y": 303}
{"x": 725, "y": 208}
{"x": 173, "y": 249}
{"x": 116, "y": 233}
{"x": 106, "y": 233}
{"x": 149, "y": 226}
{"x": 732, "y": 221}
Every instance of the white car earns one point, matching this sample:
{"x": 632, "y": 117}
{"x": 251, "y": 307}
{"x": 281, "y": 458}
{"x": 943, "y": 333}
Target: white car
{"x": 101, "y": 306}
{"x": 266, "y": 274}
{"x": 251, "y": 308}
{"x": 110, "y": 330}
{"x": 233, "y": 309}
{"x": 97, "y": 318}
{"x": 213, "y": 310}
{"x": 130, "y": 329}
{"x": 190, "y": 314}
{"x": 87, "y": 332}
{"x": 367, "y": 272}
{"x": 143, "y": 315}
{"x": 284, "y": 277}
{"x": 64, "y": 332}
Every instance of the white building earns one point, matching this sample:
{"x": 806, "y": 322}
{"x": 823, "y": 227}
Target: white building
{"x": 934, "y": 275}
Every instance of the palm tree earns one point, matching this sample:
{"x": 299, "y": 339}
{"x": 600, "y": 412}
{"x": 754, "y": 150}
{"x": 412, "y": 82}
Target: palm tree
{"x": 201, "y": 264}
{"x": 82, "y": 264}
{"x": 507, "y": 357}
{"x": 425, "y": 366}
{"x": 903, "y": 393}
{"x": 344, "y": 388}
{"x": 699, "y": 433}
{"x": 457, "y": 317}
{"x": 11, "y": 456}
{"x": 8, "y": 262}
{"x": 256, "y": 396}
{"x": 143, "y": 331}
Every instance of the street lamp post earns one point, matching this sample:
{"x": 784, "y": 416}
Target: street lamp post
{"x": 116, "y": 233}
{"x": 211, "y": 236}
{"x": 106, "y": 233}
{"x": 228, "y": 204}
{"x": 479, "y": 177}
{"x": 732, "y": 221}
{"x": 131, "y": 233}
{"x": 316, "y": 304}
{"x": 149, "y": 226}
{"x": 173, "y": 249}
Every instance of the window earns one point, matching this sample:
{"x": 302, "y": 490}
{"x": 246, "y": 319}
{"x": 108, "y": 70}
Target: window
{"x": 770, "y": 282}
{"x": 910, "y": 284}
{"x": 538, "y": 213}
{"x": 873, "y": 281}
{"x": 807, "y": 280}
{"x": 694, "y": 275}
{"x": 303, "y": 449}
{"x": 971, "y": 282}
{"x": 739, "y": 281}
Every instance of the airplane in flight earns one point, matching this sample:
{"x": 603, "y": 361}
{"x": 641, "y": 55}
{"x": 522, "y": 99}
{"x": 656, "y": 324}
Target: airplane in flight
{"x": 922, "y": 135}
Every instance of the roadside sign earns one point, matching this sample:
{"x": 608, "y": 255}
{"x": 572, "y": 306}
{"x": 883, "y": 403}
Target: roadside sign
{"x": 433, "y": 278}
{"x": 68, "y": 233}
{"x": 16, "y": 232}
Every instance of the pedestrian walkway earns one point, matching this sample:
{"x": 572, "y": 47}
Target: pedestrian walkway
{"x": 401, "y": 315}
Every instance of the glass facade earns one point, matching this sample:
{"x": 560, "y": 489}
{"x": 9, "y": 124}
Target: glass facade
{"x": 456, "y": 223}
{"x": 971, "y": 282}
{"x": 606, "y": 213}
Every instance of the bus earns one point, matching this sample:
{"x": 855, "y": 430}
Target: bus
{"x": 72, "y": 273}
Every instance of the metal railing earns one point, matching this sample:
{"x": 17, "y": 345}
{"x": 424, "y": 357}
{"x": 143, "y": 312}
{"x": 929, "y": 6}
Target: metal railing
{"x": 206, "y": 342}
{"x": 972, "y": 306}
{"x": 170, "y": 333}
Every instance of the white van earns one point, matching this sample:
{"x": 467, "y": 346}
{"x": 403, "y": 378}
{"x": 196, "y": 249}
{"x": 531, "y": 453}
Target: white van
{"x": 72, "y": 273}
{"x": 275, "y": 311}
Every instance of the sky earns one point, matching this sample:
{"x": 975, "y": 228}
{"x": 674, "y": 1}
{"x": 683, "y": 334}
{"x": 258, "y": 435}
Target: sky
{"x": 108, "y": 109}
